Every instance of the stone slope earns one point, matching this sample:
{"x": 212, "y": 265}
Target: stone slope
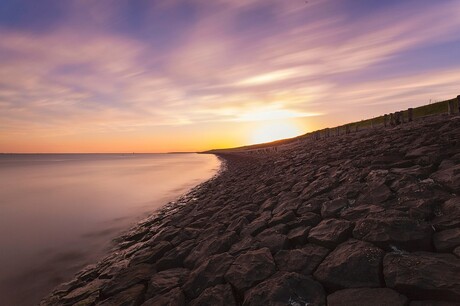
{"x": 370, "y": 218}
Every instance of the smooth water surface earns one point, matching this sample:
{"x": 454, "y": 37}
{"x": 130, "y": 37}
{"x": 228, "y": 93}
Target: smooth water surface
{"x": 59, "y": 212}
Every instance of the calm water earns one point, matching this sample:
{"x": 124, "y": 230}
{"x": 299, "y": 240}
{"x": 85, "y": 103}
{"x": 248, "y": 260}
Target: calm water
{"x": 59, "y": 212}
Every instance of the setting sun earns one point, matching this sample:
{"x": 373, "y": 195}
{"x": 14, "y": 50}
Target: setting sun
{"x": 272, "y": 131}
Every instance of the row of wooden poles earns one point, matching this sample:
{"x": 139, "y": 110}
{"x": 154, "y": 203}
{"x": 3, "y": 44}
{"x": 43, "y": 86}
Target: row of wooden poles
{"x": 392, "y": 119}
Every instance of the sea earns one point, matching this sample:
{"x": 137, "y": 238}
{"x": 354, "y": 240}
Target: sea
{"x": 61, "y": 212}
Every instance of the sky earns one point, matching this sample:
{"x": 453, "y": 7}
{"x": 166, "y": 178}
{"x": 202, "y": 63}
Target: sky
{"x": 191, "y": 75}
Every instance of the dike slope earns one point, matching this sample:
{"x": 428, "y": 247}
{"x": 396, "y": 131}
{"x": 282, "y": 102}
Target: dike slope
{"x": 369, "y": 218}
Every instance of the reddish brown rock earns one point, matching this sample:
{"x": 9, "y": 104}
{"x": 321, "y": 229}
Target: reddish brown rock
{"x": 303, "y": 261}
{"x": 432, "y": 303}
{"x": 166, "y": 280}
{"x": 403, "y": 233}
{"x": 210, "y": 246}
{"x": 175, "y": 297}
{"x": 272, "y": 239}
{"x": 211, "y": 272}
{"x": 423, "y": 275}
{"x": 220, "y": 295}
{"x": 286, "y": 288}
{"x": 330, "y": 232}
{"x": 128, "y": 278}
{"x": 447, "y": 240}
{"x": 298, "y": 236}
{"x": 175, "y": 258}
{"x": 448, "y": 215}
{"x": 130, "y": 297}
{"x": 282, "y": 218}
{"x": 250, "y": 268}
{"x": 367, "y": 297}
{"x": 352, "y": 264}
{"x": 150, "y": 254}
{"x": 333, "y": 208}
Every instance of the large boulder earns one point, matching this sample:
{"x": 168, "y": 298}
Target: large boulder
{"x": 423, "y": 275}
{"x": 175, "y": 297}
{"x": 333, "y": 208}
{"x": 286, "y": 288}
{"x": 273, "y": 239}
{"x": 303, "y": 261}
{"x": 330, "y": 232}
{"x": 166, "y": 280}
{"x": 366, "y": 297}
{"x": 448, "y": 215}
{"x": 446, "y": 241}
{"x": 390, "y": 232}
{"x": 352, "y": 264}
{"x": 220, "y": 295}
{"x": 210, "y": 273}
{"x": 130, "y": 297}
{"x": 250, "y": 268}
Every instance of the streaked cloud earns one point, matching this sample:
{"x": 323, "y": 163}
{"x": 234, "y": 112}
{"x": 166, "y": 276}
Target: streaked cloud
{"x": 153, "y": 67}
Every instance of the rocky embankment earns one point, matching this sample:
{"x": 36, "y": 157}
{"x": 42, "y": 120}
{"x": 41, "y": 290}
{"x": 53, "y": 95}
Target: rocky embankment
{"x": 369, "y": 218}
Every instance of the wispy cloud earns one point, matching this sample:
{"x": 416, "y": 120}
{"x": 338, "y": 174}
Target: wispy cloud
{"x": 132, "y": 67}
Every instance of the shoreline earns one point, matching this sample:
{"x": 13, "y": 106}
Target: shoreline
{"x": 334, "y": 220}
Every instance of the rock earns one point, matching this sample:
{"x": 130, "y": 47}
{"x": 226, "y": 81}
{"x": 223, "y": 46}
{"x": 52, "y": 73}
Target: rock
{"x": 220, "y": 295}
{"x": 91, "y": 289}
{"x": 403, "y": 233}
{"x": 333, "y": 208}
{"x": 432, "y": 303}
{"x": 238, "y": 224}
{"x": 330, "y": 232}
{"x": 272, "y": 239}
{"x": 377, "y": 195}
{"x": 447, "y": 240}
{"x": 360, "y": 212}
{"x": 312, "y": 206}
{"x": 254, "y": 227}
{"x": 449, "y": 177}
{"x": 366, "y": 297}
{"x": 175, "y": 297}
{"x": 210, "y": 246}
{"x": 150, "y": 254}
{"x": 303, "y": 261}
{"x": 175, "y": 258}
{"x": 210, "y": 273}
{"x": 423, "y": 275}
{"x": 457, "y": 251}
{"x": 282, "y": 218}
{"x": 352, "y": 264}
{"x": 128, "y": 278}
{"x": 308, "y": 219}
{"x": 130, "y": 297}
{"x": 166, "y": 280}
{"x": 250, "y": 268}
{"x": 449, "y": 215}
{"x": 286, "y": 288}
{"x": 298, "y": 236}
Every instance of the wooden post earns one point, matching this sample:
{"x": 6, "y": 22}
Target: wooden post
{"x": 397, "y": 118}
{"x": 458, "y": 103}
{"x": 450, "y": 107}
{"x": 392, "y": 119}
{"x": 347, "y": 129}
{"x": 337, "y": 131}
{"x": 410, "y": 114}
{"x": 402, "y": 116}
{"x": 385, "y": 120}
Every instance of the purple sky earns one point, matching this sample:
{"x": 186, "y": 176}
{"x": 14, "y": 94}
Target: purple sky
{"x": 161, "y": 75}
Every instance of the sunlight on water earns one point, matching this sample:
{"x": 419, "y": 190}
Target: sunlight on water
{"x": 59, "y": 212}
